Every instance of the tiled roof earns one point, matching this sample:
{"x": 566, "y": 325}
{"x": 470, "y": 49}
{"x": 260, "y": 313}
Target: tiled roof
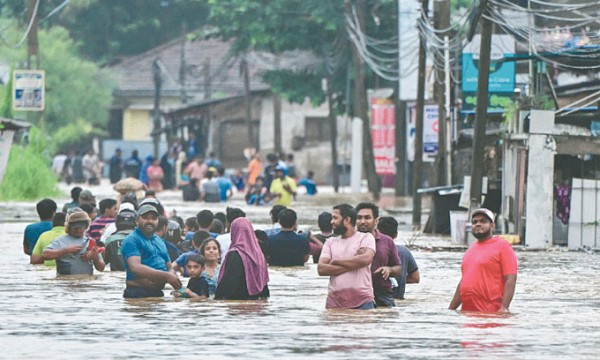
{"x": 135, "y": 73}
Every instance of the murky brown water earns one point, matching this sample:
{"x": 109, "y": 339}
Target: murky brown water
{"x": 556, "y": 314}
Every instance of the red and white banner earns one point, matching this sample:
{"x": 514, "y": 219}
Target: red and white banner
{"x": 383, "y": 131}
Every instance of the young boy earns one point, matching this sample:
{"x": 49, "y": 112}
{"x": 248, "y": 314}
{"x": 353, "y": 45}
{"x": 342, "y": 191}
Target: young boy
{"x": 197, "y": 286}
{"x": 179, "y": 263}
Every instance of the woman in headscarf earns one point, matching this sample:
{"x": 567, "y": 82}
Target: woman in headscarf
{"x": 243, "y": 274}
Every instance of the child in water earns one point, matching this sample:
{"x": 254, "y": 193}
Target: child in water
{"x": 197, "y": 286}
{"x": 211, "y": 250}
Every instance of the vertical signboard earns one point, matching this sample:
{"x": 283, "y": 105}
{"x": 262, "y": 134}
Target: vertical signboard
{"x": 383, "y": 131}
{"x": 430, "y": 132}
{"x": 28, "y": 90}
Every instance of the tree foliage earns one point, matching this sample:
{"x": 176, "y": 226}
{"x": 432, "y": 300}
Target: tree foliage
{"x": 28, "y": 174}
{"x": 75, "y": 88}
{"x": 312, "y": 25}
{"x": 108, "y": 29}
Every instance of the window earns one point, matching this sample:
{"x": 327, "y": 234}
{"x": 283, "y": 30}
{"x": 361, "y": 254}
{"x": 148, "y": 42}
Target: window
{"x": 317, "y": 128}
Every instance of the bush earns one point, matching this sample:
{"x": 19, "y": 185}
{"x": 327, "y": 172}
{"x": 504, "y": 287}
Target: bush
{"x": 28, "y": 173}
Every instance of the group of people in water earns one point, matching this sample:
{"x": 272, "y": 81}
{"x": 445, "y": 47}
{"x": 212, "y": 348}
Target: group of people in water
{"x": 225, "y": 257}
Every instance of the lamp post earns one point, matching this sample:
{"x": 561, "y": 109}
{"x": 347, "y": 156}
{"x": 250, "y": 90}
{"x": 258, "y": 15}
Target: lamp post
{"x": 156, "y": 73}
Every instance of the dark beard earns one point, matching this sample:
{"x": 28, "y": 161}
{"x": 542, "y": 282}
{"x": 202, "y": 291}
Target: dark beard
{"x": 148, "y": 229}
{"x": 483, "y": 236}
{"x": 339, "y": 230}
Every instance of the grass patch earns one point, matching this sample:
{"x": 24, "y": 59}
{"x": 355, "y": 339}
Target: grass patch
{"x": 28, "y": 173}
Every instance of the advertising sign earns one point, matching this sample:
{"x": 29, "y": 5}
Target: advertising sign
{"x": 502, "y": 74}
{"x": 28, "y": 90}
{"x": 383, "y": 131}
{"x": 430, "y": 132}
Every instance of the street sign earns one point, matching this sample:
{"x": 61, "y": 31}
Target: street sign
{"x": 28, "y": 90}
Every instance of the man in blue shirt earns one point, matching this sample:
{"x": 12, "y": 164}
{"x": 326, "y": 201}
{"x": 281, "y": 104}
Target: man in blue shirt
{"x": 146, "y": 259}
{"x": 288, "y": 248}
{"x": 309, "y": 183}
{"x": 410, "y": 271}
{"x": 46, "y": 209}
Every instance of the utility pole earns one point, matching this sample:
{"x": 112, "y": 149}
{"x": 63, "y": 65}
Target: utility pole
{"x": 156, "y": 73}
{"x": 361, "y": 106}
{"x": 277, "y": 122}
{"x": 481, "y": 108}
{"x": 400, "y": 148}
{"x": 32, "y": 36}
{"x": 441, "y": 21}
{"x": 248, "y": 102}
{"x": 333, "y": 137}
{"x": 418, "y": 162}
{"x": 33, "y": 55}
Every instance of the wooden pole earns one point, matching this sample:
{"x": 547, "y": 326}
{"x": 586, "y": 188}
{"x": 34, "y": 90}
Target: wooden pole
{"x": 418, "y": 162}
{"x": 481, "y": 109}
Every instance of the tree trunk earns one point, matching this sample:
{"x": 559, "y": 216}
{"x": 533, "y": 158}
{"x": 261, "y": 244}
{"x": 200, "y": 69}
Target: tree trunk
{"x": 418, "y": 163}
{"x": 248, "y": 103}
{"x": 361, "y": 106}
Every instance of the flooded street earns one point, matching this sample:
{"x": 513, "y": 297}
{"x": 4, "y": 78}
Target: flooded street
{"x": 555, "y": 313}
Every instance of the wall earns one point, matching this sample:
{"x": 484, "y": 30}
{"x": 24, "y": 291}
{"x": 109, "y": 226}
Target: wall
{"x": 137, "y": 125}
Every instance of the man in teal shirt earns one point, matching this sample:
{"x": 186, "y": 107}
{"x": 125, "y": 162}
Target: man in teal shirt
{"x": 146, "y": 259}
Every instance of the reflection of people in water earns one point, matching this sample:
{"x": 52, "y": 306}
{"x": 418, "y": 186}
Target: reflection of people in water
{"x": 489, "y": 269}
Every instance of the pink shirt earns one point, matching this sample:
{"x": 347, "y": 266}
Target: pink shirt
{"x": 196, "y": 171}
{"x": 353, "y": 288}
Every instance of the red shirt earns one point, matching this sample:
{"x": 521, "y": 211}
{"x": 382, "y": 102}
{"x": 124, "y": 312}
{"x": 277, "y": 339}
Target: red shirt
{"x": 483, "y": 268}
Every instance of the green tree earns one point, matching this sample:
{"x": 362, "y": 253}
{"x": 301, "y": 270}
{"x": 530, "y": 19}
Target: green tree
{"x": 28, "y": 174}
{"x": 75, "y": 88}
{"x": 281, "y": 25}
{"x": 108, "y": 29}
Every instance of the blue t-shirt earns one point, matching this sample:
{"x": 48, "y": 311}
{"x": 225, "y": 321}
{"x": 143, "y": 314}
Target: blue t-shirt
{"x": 182, "y": 260}
{"x": 224, "y": 186}
{"x": 152, "y": 251}
{"x": 288, "y": 248}
{"x": 409, "y": 265}
{"x": 33, "y": 232}
{"x": 310, "y": 185}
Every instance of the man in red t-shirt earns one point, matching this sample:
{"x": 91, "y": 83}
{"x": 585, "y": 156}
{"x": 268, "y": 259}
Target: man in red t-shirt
{"x": 489, "y": 269}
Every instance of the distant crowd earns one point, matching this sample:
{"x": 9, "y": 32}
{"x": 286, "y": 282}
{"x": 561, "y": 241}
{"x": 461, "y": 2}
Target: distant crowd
{"x": 199, "y": 178}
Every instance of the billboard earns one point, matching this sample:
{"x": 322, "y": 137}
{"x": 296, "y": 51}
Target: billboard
{"x": 28, "y": 90}
{"x": 502, "y": 74}
{"x": 430, "y": 132}
{"x": 383, "y": 132}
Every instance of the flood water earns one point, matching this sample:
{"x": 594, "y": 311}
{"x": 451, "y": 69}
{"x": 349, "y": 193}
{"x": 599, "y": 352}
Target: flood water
{"x": 555, "y": 314}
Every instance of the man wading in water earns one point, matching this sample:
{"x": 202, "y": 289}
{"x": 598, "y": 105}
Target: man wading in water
{"x": 346, "y": 259}
{"x": 147, "y": 261}
{"x": 489, "y": 270}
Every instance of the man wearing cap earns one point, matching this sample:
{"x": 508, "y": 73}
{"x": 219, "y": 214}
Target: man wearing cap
{"x": 489, "y": 269}
{"x": 75, "y": 254}
{"x": 147, "y": 261}
{"x": 86, "y": 197}
{"x": 282, "y": 188}
{"x": 124, "y": 225}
